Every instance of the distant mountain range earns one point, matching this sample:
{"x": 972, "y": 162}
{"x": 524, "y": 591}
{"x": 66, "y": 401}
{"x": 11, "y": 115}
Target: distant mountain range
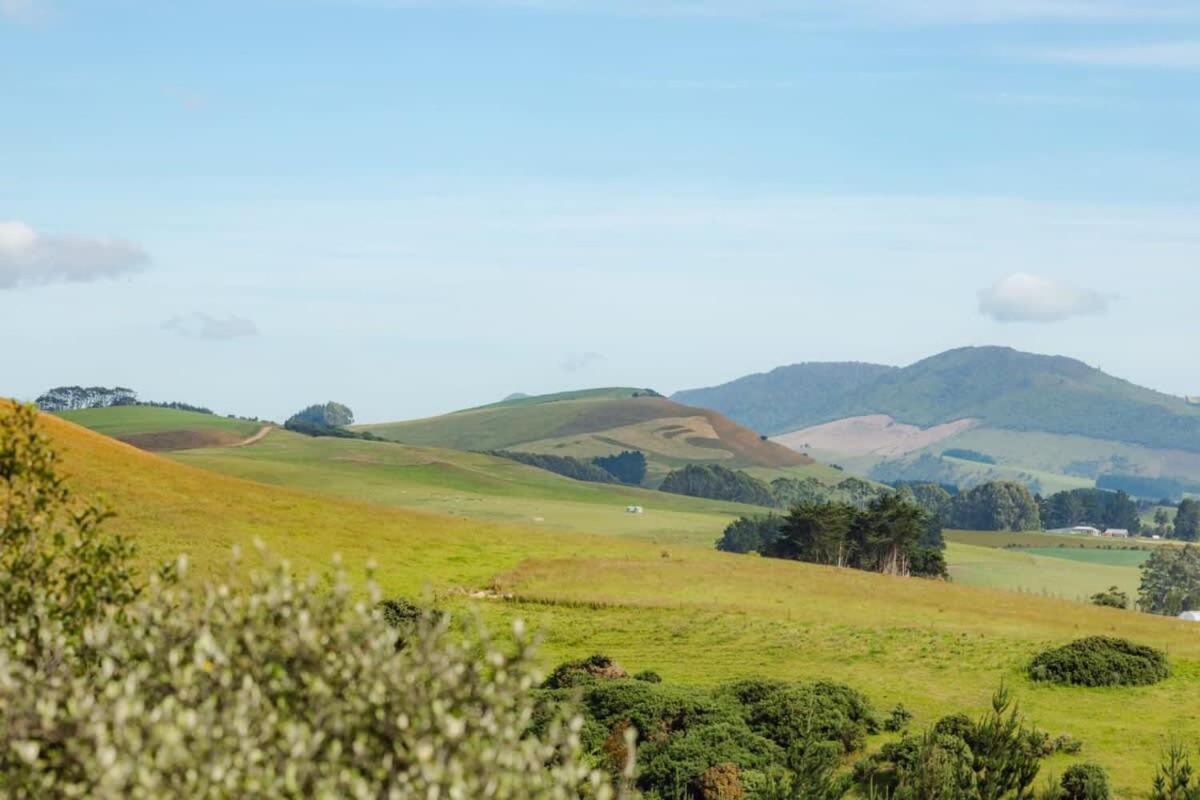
{"x": 999, "y": 387}
{"x": 1050, "y": 421}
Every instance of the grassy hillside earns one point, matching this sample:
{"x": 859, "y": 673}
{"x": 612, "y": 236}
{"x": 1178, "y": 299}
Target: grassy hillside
{"x": 1000, "y": 387}
{"x": 152, "y": 428}
{"x": 469, "y": 485}
{"x": 694, "y": 614}
{"x": 600, "y": 422}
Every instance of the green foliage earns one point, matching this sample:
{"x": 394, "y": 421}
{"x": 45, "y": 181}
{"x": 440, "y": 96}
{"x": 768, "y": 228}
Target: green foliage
{"x": 884, "y": 537}
{"x": 997, "y": 506}
{"x": 718, "y": 483}
{"x": 750, "y": 534}
{"x": 1085, "y": 782}
{"x": 323, "y": 415}
{"x": 584, "y": 672}
{"x": 1187, "y": 521}
{"x": 968, "y": 455}
{"x": 59, "y": 572}
{"x": 1175, "y": 779}
{"x": 1091, "y": 507}
{"x": 994, "y": 758}
{"x": 898, "y": 720}
{"x": 269, "y": 687}
{"x": 1171, "y": 581}
{"x": 693, "y": 740}
{"x": 567, "y": 466}
{"x": 1113, "y": 598}
{"x": 1100, "y": 661}
{"x": 628, "y": 466}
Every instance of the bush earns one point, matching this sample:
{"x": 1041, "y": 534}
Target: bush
{"x": 898, "y": 720}
{"x": 958, "y": 759}
{"x": 750, "y": 534}
{"x": 583, "y": 672}
{"x": 718, "y": 483}
{"x": 567, "y": 466}
{"x": 1085, "y": 782}
{"x": 648, "y": 676}
{"x": 278, "y": 687}
{"x": 628, "y": 466}
{"x": 1100, "y": 661}
{"x": 1113, "y": 598}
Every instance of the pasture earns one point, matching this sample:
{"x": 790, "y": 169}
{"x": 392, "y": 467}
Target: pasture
{"x": 694, "y": 614}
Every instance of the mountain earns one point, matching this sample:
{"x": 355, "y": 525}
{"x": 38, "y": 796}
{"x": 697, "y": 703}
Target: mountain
{"x": 1051, "y": 421}
{"x": 601, "y": 422}
{"x": 787, "y": 398}
{"x": 999, "y": 387}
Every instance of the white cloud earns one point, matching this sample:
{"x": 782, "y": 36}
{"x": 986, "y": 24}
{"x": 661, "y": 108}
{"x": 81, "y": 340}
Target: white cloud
{"x": 1022, "y": 297}
{"x": 28, "y": 258}
{"x": 576, "y": 362}
{"x": 1158, "y": 55}
{"x": 199, "y": 325}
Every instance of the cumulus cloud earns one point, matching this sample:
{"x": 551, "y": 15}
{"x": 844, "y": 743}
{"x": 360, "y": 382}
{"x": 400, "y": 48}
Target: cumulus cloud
{"x": 28, "y": 258}
{"x": 575, "y": 362}
{"x": 1022, "y": 297}
{"x": 198, "y": 325}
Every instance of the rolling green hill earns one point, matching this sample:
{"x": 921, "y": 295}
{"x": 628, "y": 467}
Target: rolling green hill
{"x": 602, "y": 422}
{"x": 691, "y": 613}
{"x": 160, "y": 429}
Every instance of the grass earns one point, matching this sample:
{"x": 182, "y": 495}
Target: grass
{"x": 1040, "y": 573}
{"x": 469, "y": 485}
{"x": 124, "y": 421}
{"x": 1041, "y": 539}
{"x": 1094, "y": 555}
{"x": 695, "y": 615}
{"x": 600, "y": 422}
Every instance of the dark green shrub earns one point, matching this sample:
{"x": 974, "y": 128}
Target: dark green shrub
{"x": 750, "y": 534}
{"x": 1100, "y": 661}
{"x": 648, "y": 676}
{"x": 898, "y": 720}
{"x": 1085, "y": 782}
{"x": 584, "y": 671}
{"x": 1113, "y": 598}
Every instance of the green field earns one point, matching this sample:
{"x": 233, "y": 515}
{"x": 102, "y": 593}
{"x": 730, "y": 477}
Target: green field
{"x": 122, "y": 421}
{"x": 1093, "y": 555}
{"x": 469, "y": 485}
{"x": 694, "y": 614}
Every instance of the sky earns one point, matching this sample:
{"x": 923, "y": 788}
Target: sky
{"x": 412, "y": 207}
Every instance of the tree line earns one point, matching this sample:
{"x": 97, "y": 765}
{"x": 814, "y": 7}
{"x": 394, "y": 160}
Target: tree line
{"x": 79, "y": 398}
{"x": 891, "y": 535}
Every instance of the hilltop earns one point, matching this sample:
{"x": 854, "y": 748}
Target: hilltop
{"x": 601, "y": 422}
{"x": 1032, "y": 413}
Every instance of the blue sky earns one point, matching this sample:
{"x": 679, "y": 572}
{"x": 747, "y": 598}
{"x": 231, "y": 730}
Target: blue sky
{"x": 417, "y": 206}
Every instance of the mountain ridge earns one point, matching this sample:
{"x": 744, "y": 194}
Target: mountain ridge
{"x": 1002, "y": 387}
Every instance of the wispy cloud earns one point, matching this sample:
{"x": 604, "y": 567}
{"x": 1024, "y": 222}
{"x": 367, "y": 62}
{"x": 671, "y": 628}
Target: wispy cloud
{"x": 919, "y": 12}
{"x": 1157, "y": 55}
{"x": 28, "y": 258}
{"x": 577, "y": 362}
{"x": 1022, "y": 297}
{"x": 198, "y": 325}
{"x": 24, "y": 10}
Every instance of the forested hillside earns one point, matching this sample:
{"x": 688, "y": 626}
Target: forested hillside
{"x": 999, "y": 387}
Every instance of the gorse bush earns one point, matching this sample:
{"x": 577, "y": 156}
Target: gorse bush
{"x": 738, "y": 738}
{"x": 279, "y": 688}
{"x": 1085, "y": 782}
{"x": 1100, "y": 661}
